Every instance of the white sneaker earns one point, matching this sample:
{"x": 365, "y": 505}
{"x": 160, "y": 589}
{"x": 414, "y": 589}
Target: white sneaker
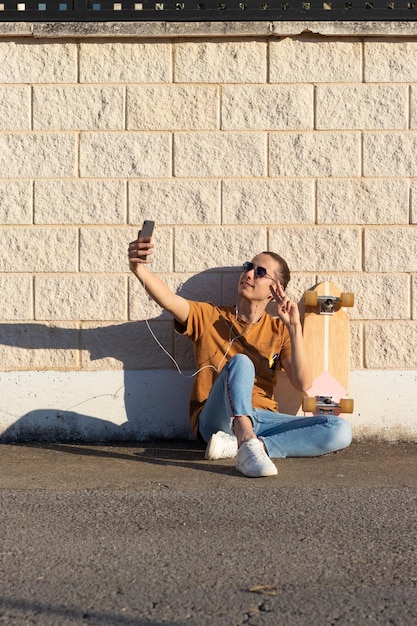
{"x": 253, "y": 461}
{"x": 221, "y": 446}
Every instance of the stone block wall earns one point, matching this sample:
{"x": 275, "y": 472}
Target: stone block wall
{"x": 233, "y": 143}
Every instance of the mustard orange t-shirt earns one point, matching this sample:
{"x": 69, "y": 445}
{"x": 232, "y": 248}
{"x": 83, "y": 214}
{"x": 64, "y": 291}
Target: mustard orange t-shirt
{"x": 217, "y": 336}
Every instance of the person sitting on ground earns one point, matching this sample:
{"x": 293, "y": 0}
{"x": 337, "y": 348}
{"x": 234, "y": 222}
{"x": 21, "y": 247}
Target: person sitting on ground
{"x": 238, "y": 350}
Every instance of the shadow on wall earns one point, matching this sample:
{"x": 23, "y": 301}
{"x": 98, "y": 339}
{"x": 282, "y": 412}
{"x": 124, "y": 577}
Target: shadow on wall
{"x": 147, "y": 412}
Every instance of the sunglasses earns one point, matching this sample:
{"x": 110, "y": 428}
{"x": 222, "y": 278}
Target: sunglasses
{"x": 259, "y": 272}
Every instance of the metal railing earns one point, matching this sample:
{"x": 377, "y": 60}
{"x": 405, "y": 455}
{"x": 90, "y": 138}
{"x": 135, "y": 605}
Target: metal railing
{"x": 205, "y": 10}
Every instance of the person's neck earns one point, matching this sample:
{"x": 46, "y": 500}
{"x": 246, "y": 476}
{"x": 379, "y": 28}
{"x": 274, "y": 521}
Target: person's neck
{"x": 249, "y": 312}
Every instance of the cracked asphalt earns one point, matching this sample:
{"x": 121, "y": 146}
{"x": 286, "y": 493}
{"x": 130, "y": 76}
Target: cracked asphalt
{"x": 152, "y": 533}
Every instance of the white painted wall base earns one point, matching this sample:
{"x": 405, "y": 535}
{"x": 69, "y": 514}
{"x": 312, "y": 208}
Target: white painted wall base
{"x": 385, "y": 405}
{"x": 93, "y": 406}
{"x": 140, "y": 405}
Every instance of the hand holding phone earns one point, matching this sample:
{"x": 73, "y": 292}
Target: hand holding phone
{"x": 147, "y": 229}
{"x": 141, "y": 250}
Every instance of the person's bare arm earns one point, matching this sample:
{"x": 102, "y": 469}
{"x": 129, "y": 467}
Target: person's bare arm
{"x": 140, "y": 255}
{"x": 297, "y": 366}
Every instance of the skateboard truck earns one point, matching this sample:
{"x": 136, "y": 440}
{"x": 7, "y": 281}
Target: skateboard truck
{"x": 325, "y": 404}
{"x": 327, "y": 303}
{"x": 327, "y": 306}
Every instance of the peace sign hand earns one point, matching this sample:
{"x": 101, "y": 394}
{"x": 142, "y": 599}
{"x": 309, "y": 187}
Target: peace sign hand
{"x": 287, "y": 309}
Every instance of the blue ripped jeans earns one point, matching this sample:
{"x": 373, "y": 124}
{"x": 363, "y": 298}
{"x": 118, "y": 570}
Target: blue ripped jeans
{"x": 283, "y": 435}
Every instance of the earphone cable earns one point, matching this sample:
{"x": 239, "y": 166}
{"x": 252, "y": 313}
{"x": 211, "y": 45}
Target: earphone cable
{"x": 216, "y": 369}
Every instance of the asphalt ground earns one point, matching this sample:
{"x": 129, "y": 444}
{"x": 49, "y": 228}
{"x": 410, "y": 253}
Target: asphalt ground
{"x": 153, "y": 534}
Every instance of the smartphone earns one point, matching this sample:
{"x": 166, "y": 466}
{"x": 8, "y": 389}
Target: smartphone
{"x": 147, "y": 228}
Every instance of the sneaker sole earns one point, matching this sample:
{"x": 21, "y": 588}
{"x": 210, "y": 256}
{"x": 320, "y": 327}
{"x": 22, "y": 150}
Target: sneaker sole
{"x": 267, "y": 472}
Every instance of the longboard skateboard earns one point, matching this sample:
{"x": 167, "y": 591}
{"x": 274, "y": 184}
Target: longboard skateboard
{"x": 327, "y": 341}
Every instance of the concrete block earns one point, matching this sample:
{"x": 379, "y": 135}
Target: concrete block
{"x": 125, "y": 62}
{"x": 391, "y": 345}
{"x": 81, "y": 297}
{"x": 414, "y": 297}
{"x": 15, "y": 202}
{"x": 219, "y": 154}
{"x": 377, "y": 296}
{"x": 267, "y": 107}
{"x": 275, "y": 201}
{"x": 318, "y": 248}
{"x": 130, "y": 155}
{"x": 209, "y": 247}
{"x": 315, "y": 154}
{"x": 37, "y": 155}
{"x": 391, "y": 249}
{"x": 38, "y": 249}
{"x": 172, "y": 107}
{"x": 175, "y": 201}
{"x": 220, "y": 61}
{"x": 390, "y": 154}
{"x": 15, "y": 108}
{"x": 80, "y": 201}
{"x": 130, "y": 346}
{"x": 313, "y": 60}
{"x": 390, "y": 61}
{"x": 361, "y": 107}
{"x": 78, "y": 107}
{"x": 16, "y": 297}
{"x": 16, "y": 28}
{"x": 29, "y": 61}
{"x": 362, "y": 201}
{"x": 30, "y": 346}
{"x": 105, "y": 249}
{"x": 226, "y": 29}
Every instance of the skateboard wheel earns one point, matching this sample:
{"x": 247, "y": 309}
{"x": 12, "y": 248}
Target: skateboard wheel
{"x": 309, "y": 404}
{"x": 310, "y": 298}
{"x": 347, "y": 299}
{"x": 346, "y": 405}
